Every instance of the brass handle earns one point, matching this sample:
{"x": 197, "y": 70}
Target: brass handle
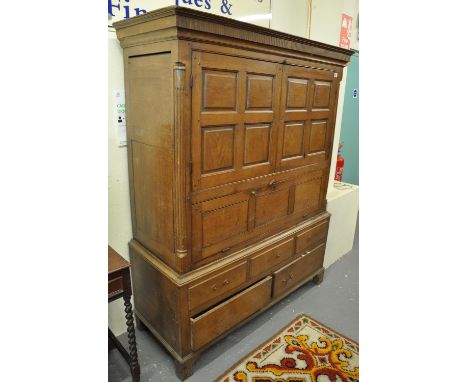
{"x": 253, "y": 192}
{"x": 273, "y": 183}
{"x": 278, "y": 255}
{"x": 285, "y": 281}
{"x": 214, "y": 288}
{"x": 226, "y": 282}
{"x": 225, "y": 250}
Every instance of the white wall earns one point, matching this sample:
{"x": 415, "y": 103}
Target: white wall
{"x": 290, "y": 19}
{"x": 326, "y": 20}
{"x": 119, "y": 221}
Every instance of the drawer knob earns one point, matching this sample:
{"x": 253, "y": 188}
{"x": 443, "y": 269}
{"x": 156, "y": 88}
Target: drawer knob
{"x": 226, "y": 282}
{"x": 214, "y": 288}
{"x": 285, "y": 281}
{"x": 278, "y": 255}
{"x": 253, "y": 193}
{"x": 225, "y": 250}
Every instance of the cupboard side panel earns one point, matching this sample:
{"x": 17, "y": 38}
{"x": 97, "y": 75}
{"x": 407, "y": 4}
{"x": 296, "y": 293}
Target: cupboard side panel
{"x": 150, "y": 119}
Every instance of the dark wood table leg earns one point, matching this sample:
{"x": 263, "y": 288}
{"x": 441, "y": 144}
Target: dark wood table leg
{"x": 134, "y": 365}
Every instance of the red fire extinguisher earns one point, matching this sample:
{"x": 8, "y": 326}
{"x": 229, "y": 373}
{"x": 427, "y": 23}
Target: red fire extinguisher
{"x": 339, "y": 165}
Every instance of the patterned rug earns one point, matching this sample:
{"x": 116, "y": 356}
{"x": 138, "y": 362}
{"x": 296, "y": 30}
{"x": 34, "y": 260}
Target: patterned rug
{"x": 304, "y": 351}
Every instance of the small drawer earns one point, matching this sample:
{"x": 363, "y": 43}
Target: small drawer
{"x": 271, "y": 257}
{"x": 225, "y": 316}
{"x": 311, "y": 237}
{"x": 214, "y": 288}
{"x": 115, "y": 286}
{"x": 298, "y": 270}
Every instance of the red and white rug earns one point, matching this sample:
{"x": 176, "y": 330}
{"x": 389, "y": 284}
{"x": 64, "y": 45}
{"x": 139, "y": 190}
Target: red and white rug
{"x": 304, "y": 351}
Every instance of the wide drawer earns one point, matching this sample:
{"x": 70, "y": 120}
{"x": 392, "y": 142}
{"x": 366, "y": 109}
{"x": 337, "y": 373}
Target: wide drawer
{"x": 225, "y": 316}
{"x": 312, "y": 236}
{"x": 215, "y": 287}
{"x": 293, "y": 273}
{"x": 220, "y": 225}
{"x": 271, "y": 257}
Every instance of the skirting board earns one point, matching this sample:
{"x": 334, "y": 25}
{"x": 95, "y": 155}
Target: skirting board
{"x": 343, "y": 204}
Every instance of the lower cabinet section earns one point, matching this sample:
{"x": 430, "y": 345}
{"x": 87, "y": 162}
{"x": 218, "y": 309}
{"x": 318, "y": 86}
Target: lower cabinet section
{"x": 188, "y": 312}
{"x": 293, "y": 273}
{"x": 225, "y": 316}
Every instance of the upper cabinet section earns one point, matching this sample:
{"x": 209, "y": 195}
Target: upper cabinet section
{"x": 235, "y": 104}
{"x": 253, "y": 117}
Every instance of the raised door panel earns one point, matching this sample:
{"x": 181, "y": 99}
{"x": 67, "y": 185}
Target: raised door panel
{"x": 257, "y": 144}
{"x": 217, "y": 148}
{"x": 307, "y": 195}
{"x": 293, "y": 140}
{"x": 234, "y": 106}
{"x": 271, "y": 205}
{"x": 307, "y": 114}
{"x": 219, "y": 90}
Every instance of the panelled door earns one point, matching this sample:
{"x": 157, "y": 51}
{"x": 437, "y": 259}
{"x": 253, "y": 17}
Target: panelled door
{"x": 307, "y": 114}
{"x": 220, "y": 224}
{"x": 235, "y": 103}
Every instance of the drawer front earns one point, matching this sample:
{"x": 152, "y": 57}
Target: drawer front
{"x": 271, "y": 257}
{"x": 214, "y": 288}
{"x": 292, "y": 274}
{"x": 311, "y": 237}
{"x": 115, "y": 286}
{"x": 221, "y": 225}
{"x": 225, "y": 316}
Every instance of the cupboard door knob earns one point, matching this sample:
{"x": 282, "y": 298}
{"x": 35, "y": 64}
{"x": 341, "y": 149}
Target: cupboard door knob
{"x": 253, "y": 192}
{"x": 273, "y": 183}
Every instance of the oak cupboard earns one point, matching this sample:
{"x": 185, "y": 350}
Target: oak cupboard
{"x": 230, "y": 130}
